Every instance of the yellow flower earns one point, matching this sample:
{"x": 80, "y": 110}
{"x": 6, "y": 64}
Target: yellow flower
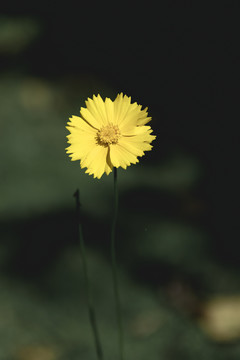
{"x": 109, "y": 134}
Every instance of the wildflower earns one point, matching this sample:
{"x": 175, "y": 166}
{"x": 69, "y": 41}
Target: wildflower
{"x": 109, "y": 134}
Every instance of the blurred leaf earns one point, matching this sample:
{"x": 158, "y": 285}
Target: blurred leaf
{"x": 177, "y": 172}
{"x": 17, "y": 33}
{"x": 175, "y": 242}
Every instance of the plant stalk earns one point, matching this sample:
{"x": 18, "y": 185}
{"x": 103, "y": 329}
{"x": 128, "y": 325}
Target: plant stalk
{"x": 91, "y": 311}
{"x": 114, "y": 267}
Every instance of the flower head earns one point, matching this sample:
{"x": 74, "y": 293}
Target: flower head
{"x": 109, "y": 134}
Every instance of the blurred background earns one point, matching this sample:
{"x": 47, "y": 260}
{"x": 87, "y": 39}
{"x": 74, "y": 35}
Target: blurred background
{"x": 177, "y": 237}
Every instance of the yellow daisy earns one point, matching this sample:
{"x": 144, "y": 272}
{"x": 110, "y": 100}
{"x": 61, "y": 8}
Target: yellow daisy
{"x": 109, "y": 134}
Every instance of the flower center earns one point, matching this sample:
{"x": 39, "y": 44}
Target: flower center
{"x": 108, "y": 135}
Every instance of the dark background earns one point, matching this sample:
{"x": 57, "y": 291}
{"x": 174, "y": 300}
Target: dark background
{"x": 178, "y": 238}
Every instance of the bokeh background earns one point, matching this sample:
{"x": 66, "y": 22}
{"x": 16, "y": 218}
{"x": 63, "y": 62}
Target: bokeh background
{"x": 177, "y": 237}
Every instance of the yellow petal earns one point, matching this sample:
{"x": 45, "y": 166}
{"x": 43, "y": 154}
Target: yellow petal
{"x": 129, "y": 115}
{"x": 121, "y": 157}
{"x": 95, "y": 113}
{"x": 143, "y": 117}
{"x": 79, "y": 123}
{"x": 97, "y": 162}
{"x": 117, "y": 106}
{"x": 142, "y": 137}
{"x": 136, "y": 130}
{"x": 93, "y": 108}
{"x": 138, "y": 143}
{"x": 80, "y": 144}
{"x": 133, "y": 148}
{"x": 109, "y": 106}
{"x": 121, "y": 107}
{"x": 96, "y": 122}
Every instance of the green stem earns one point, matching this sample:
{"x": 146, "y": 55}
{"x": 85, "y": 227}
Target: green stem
{"x": 114, "y": 266}
{"x": 91, "y": 311}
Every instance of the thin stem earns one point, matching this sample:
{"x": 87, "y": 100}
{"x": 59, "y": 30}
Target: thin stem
{"x": 114, "y": 267}
{"x": 91, "y": 311}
